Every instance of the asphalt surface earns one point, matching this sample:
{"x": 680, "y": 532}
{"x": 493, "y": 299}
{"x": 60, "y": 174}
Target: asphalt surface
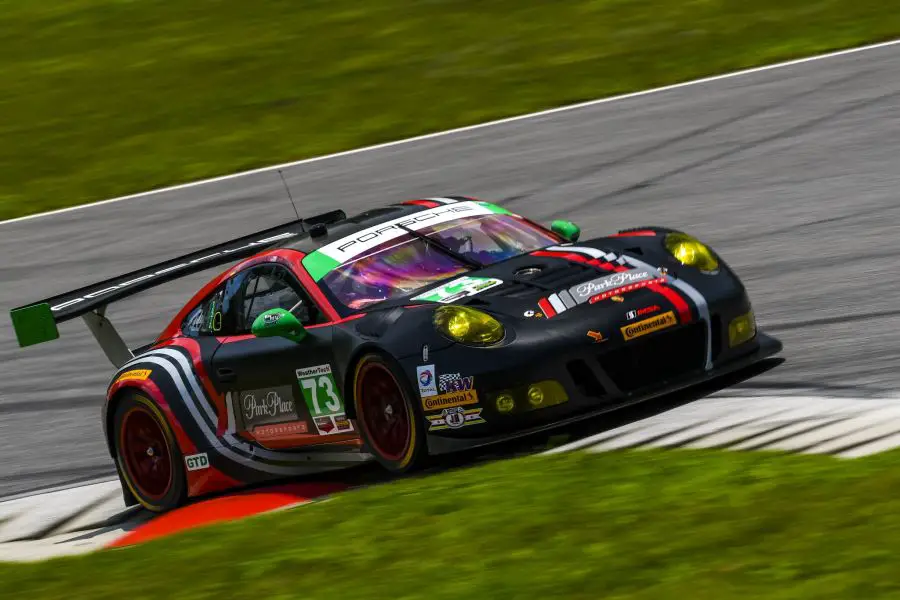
{"x": 792, "y": 174}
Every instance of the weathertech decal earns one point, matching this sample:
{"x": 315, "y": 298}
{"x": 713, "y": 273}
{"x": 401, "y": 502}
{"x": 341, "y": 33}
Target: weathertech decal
{"x": 323, "y": 399}
{"x": 636, "y": 330}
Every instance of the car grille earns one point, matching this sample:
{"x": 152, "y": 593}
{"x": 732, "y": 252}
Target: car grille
{"x": 658, "y": 358}
{"x": 585, "y": 380}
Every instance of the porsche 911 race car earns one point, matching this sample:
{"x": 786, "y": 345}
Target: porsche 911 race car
{"x": 410, "y": 330}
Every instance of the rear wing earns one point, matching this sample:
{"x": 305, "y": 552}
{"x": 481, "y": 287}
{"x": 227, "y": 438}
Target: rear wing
{"x": 37, "y": 322}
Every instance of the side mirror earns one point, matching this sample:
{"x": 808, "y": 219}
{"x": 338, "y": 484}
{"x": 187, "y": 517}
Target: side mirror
{"x": 278, "y": 323}
{"x": 566, "y": 229}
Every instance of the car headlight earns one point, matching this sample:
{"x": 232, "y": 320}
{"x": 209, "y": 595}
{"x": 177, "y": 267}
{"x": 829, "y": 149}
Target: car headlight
{"x": 468, "y": 326}
{"x": 691, "y": 252}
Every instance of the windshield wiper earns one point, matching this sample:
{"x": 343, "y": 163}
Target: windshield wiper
{"x": 469, "y": 262}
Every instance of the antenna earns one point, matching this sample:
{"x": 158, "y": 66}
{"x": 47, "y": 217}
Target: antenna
{"x": 291, "y": 198}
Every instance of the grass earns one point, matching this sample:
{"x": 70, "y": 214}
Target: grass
{"x": 633, "y": 525}
{"x": 105, "y": 97}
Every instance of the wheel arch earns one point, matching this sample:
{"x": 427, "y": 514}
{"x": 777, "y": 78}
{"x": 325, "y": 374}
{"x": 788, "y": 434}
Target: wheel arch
{"x": 352, "y": 363}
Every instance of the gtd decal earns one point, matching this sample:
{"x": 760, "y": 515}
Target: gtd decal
{"x": 196, "y": 462}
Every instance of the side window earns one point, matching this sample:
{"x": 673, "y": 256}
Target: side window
{"x": 268, "y": 287}
{"x": 206, "y": 318}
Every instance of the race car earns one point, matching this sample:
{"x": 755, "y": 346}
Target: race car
{"x": 404, "y": 332}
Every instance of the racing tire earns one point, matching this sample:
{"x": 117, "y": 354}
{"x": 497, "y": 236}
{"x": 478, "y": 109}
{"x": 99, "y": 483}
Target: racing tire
{"x": 148, "y": 458}
{"x": 387, "y": 417}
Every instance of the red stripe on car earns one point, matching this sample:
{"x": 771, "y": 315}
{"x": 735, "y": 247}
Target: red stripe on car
{"x": 547, "y": 307}
{"x": 425, "y": 203}
{"x": 638, "y": 233}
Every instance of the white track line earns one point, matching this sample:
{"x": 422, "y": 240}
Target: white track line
{"x": 449, "y": 132}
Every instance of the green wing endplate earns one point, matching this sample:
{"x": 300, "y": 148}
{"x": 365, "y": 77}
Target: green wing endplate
{"x": 34, "y": 324}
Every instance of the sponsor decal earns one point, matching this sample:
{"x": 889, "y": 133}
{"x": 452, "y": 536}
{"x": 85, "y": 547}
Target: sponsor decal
{"x": 584, "y": 291}
{"x": 596, "y": 336}
{"x": 425, "y": 377}
{"x": 425, "y": 353}
{"x": 617, "y": 298}
{"x": 333, "y": 424}
{"x": 353, "y": 245}
{"x": 266, "y": 405}
{"x": 647, "y": 310}
{"x": 279, "y": 429}
{"x": 135, "y": 375}
{"x": 171, "y": 269}
{"x": 533, "y": 314}
{"x": 636, "y": 330}
{"x": 458, "y": 288}
{"x": 454, "y": 382}
{"x": 602, "y": 288}
{"x": 271, "y": 319}
{"x": 196, "y": 462}
{"x": 325, "y": 425}
{"x": 322, "y": 397}
{"x": 628, "y": 288}
{"x": 450, "y": 400}
{"x": 455, "y": 418}
{"x": 342, "y": 423}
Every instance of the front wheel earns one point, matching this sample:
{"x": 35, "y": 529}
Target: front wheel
{"x": 149, "y": 460}
{"x": 388, "y": 420}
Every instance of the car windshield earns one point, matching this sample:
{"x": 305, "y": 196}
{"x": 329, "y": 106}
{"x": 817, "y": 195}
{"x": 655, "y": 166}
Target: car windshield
{"x": 405, "y": 264}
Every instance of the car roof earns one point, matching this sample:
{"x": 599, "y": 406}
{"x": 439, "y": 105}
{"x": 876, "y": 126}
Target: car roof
{"x": 351, "y": 225}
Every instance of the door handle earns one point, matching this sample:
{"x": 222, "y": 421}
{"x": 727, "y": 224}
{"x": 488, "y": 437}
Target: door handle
{"x": 226, "y": 375}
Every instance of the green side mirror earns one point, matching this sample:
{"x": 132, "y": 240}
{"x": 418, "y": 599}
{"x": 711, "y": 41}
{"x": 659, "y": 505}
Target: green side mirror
{"x": 278, "y": 323}
{"x": 567, "y": 229}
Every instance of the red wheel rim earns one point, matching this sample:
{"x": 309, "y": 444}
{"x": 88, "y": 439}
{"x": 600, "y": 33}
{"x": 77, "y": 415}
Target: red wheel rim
{"x": 145, "y": 452}
{"x": 385, "y": 414}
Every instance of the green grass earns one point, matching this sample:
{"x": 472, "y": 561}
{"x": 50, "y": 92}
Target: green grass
{"x": 636, "y": 525}
{"x": 106, "y": 97}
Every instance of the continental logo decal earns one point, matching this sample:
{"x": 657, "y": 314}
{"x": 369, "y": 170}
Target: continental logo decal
{"x": 636, "y": 330}
{"x": 450, "y": 400}
{"x": 136, "y": 375}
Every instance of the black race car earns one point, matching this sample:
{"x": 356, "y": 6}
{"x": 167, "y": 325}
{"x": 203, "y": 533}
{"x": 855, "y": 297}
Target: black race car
{"x": 410, "y": 330}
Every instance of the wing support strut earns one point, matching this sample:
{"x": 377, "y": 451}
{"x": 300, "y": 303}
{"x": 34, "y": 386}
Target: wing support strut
{"x": 106, "y": 335}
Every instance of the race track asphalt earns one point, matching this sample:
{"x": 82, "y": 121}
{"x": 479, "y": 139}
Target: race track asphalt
{"x": 792, "y": 174}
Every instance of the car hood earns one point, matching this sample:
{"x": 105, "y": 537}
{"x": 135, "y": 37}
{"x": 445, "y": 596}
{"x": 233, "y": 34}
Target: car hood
{"x": 555, "y": 282}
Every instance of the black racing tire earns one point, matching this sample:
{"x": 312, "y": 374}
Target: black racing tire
{"x": 150, "y": 463}
{"x": 389, "y": 421}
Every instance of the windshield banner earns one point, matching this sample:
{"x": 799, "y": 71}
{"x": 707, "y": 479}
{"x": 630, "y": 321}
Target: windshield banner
{"x": 337, "y": 253}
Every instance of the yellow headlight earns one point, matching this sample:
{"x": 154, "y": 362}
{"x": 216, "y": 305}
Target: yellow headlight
{"x": 691, "y": 252}
{"x": 467, "y": 325}
{"x": 741, "y": 329}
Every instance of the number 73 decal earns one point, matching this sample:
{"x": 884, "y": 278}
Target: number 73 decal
{"x": 323, "y": 399}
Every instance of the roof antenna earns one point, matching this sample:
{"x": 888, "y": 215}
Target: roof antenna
{"x": 291, "y": 198}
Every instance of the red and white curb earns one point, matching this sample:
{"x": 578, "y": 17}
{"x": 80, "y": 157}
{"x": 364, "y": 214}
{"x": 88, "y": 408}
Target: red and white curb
{"x": 88, "y": 517}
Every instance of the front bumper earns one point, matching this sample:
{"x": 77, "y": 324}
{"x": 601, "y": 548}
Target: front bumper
{"x": 592, "y": 389}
